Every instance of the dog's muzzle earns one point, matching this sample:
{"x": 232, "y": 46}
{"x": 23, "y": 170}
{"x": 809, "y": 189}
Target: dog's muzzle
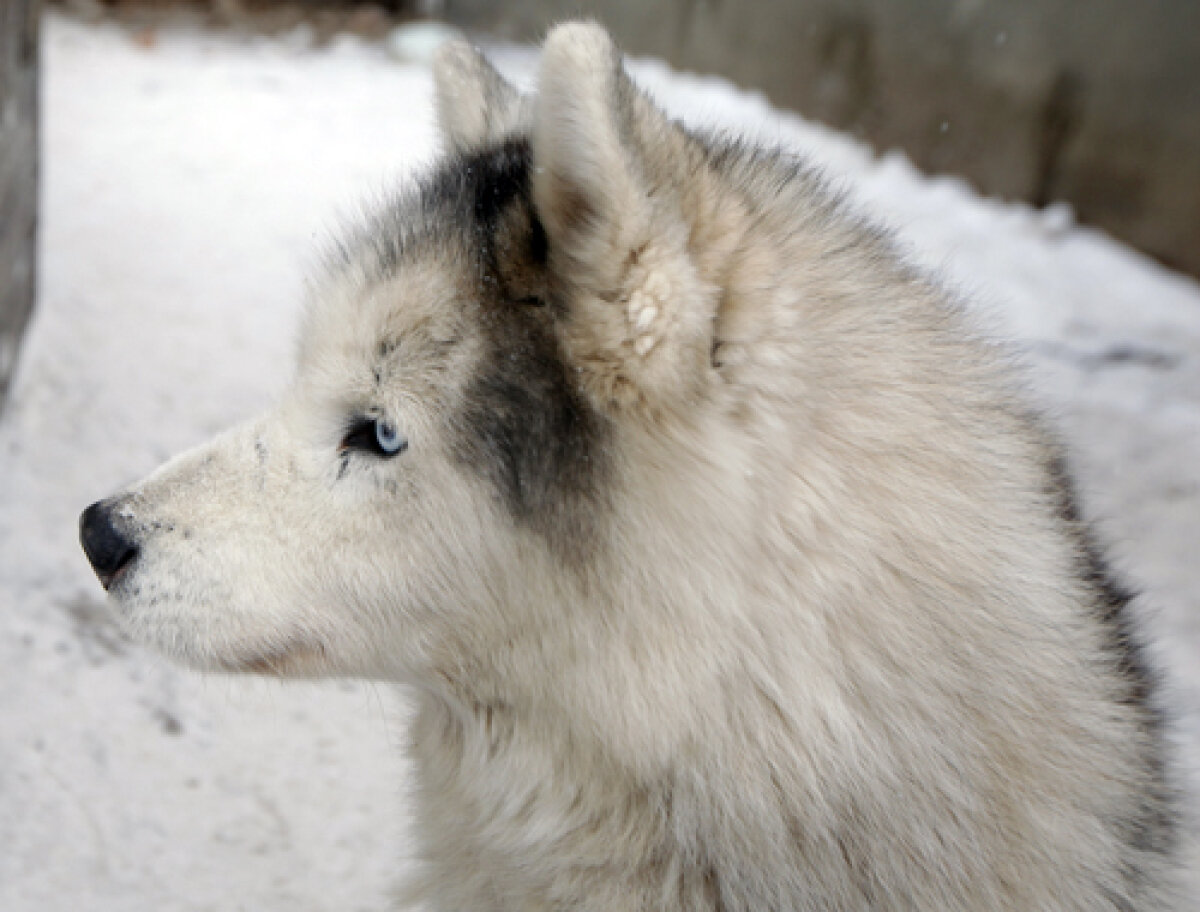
{"x": 108, "y": 548}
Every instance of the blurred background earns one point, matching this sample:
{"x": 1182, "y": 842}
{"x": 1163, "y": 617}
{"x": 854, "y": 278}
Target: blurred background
{"x": 168, "y": 172}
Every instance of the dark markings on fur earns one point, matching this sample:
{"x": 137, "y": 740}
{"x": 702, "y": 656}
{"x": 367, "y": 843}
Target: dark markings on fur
{"x": 525, "y": 427}
{"x": 529, "y": 433}
{"x": 501, "y": 178}
{"x": 1153, "y": 829}
{"x": 1113, "y": 598}
{"x": 539, "y": 246}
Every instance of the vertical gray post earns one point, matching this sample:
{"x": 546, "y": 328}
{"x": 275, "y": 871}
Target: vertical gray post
{"x": 18, "y": 176}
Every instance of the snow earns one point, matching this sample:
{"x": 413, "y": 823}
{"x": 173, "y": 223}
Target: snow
{"x": 188, "y": 178}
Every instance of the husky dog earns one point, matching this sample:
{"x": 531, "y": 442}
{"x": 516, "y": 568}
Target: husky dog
{"x": 724, "y": 564}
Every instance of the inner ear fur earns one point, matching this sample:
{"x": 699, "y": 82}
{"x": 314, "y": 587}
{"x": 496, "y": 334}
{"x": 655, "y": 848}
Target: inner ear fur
{"x": 607, "y": 183}
{"x": 476, "y": 106}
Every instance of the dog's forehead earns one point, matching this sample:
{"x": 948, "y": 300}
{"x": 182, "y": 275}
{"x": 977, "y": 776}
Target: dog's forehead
{"x": 432, "y": 279}
{"x": 407, "y": 270}
{"x": 419, "y": 303}
{"x": 363, "y": 320}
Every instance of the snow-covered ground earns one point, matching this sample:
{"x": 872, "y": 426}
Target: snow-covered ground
{"x": 188, "y": 178}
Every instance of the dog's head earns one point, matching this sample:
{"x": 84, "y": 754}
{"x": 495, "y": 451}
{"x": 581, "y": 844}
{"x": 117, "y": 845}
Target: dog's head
{"x": 453, "y": 448}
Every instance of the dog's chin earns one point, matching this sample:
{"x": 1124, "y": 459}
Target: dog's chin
{"x": 288, "y": 659}
{"x": 176, "y": 638}
{"x": 294, "y": 659}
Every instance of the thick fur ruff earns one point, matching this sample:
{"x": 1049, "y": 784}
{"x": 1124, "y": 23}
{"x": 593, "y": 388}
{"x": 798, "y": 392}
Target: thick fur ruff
{"x": 724, "y": 563}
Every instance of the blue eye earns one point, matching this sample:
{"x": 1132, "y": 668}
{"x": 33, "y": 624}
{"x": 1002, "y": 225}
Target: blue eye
{"x": 389, "y": 439}
{"x": 377, "y": 436}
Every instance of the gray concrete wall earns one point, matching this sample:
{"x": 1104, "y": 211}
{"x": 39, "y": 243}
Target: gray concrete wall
{"x": 1096, "y": 102}
{"x": 18, "y": 176}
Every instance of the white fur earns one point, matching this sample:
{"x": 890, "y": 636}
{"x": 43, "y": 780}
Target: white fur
{"x": 829, "y": 646}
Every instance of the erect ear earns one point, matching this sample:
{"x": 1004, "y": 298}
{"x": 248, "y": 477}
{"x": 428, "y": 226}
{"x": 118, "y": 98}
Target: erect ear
{"x": 608, "y": 167}
{"x": 475, "y": 104}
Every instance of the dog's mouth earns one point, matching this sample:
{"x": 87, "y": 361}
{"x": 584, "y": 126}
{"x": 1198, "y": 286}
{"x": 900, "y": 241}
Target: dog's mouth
{"x": 296, "y": 657}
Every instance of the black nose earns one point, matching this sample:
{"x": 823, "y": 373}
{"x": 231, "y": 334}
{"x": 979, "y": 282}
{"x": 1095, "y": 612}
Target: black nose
{"x": 109, "y": 549}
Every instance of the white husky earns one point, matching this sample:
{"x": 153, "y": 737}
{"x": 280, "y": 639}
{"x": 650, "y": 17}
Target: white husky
{"x": 724, "y": 566}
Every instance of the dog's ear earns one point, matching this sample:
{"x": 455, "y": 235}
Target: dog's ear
{"x": 608, "y": 168}
{"x": 475, "y": 104}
